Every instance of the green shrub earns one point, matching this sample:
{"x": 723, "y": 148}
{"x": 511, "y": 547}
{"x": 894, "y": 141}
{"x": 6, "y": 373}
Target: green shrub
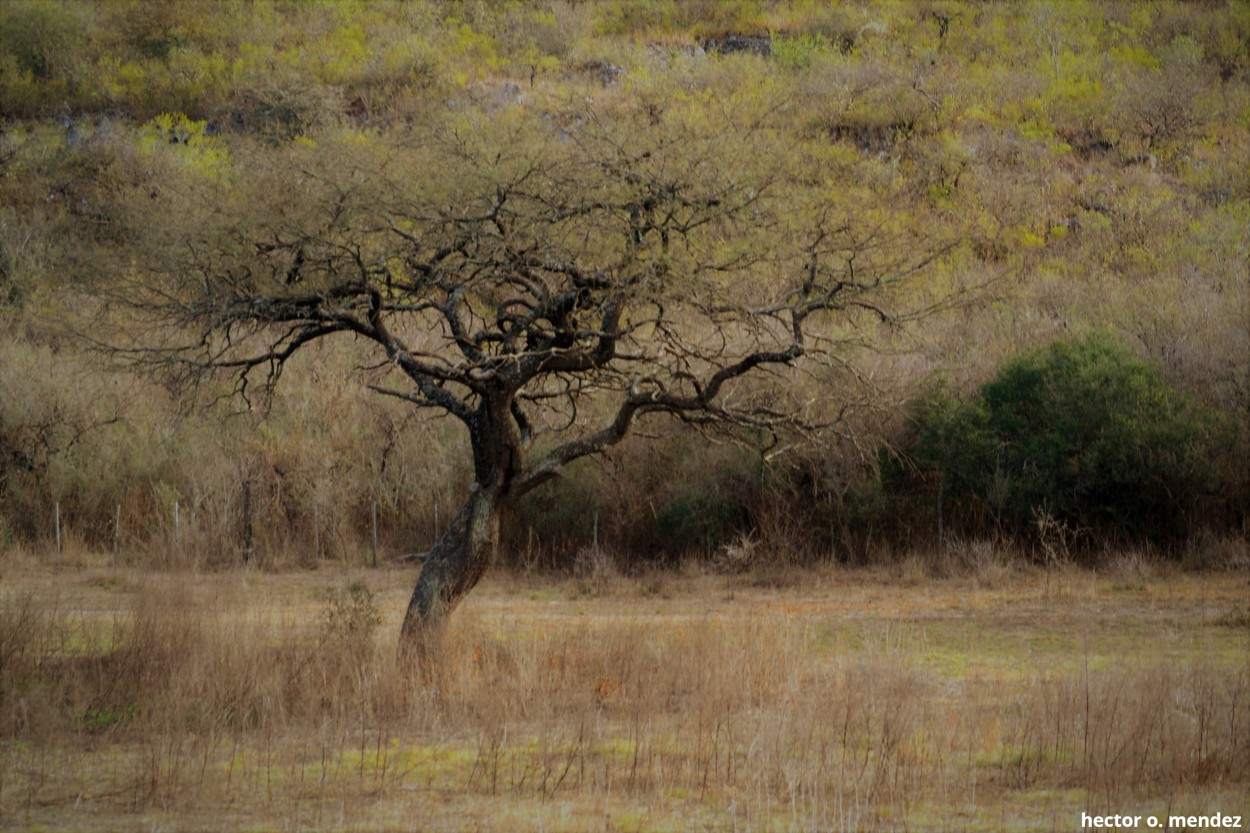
{"x": 698, "y": 519}
{"x": 799, "y": 51}
{"x": 1082, "y": 431}
{"x": 558, "y": 519}
{"x": 708, "y": 500}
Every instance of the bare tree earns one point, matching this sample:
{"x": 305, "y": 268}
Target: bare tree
{"x": 524, "y": 276}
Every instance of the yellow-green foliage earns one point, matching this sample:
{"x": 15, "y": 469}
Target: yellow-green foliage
{"x": 188, "y": 140}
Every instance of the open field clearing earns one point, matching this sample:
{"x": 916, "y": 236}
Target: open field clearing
{"x": 829, "y": 700}
{"x": 841, "y": 407}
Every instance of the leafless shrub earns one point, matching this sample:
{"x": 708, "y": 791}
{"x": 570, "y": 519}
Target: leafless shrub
{"x": 1133, "y": 566}
{"x": 1209, "y": 551}
{"x": 738, "y": 556}
{"x": 594, "y": 568}
{"x": 1056, "y": 537}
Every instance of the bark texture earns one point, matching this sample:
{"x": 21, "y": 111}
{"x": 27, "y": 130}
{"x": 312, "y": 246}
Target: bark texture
{"x": 455, "y": 565}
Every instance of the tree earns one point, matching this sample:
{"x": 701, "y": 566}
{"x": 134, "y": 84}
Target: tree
{"x": 1081, "y": 431}
{"x": 524, "y": 276}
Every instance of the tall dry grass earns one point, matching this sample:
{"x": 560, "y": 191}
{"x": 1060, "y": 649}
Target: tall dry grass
{"x": 190, "y": 702}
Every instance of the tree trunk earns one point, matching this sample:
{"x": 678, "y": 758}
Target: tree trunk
{"x": 466, "y": 548}
{"x": 457, "y": 562}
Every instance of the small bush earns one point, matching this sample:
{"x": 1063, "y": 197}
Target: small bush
{"x": 1081, "y": 431}
{"x": 557, "y": 520}
{"x": 351, "y": 614}
{"x": 707, "y": 502}
{"x": 697, "y": 520}
{"x": 799, "y": 51}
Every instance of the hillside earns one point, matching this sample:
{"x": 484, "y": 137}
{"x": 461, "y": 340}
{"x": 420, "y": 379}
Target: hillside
{"x": 1083, "y": 168}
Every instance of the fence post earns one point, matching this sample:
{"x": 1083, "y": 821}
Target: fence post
{"x": 247, "y": 520}
{"x": 374, "y": 536}
{"x": 56, "y": 515}
{"x": 117, "y": 532}
{"x": 316, "y": 532}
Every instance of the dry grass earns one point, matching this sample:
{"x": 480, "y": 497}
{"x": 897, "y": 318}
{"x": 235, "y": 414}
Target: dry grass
{"x": 846, "y": 702}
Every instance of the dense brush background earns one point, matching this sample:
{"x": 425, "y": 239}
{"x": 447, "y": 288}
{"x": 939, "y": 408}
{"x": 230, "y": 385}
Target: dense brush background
{"x": 1094, "y": 157}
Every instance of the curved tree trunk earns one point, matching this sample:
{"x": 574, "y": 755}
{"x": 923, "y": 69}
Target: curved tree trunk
{"x": 466, "y": 548}
{"x": 457, "y": 562}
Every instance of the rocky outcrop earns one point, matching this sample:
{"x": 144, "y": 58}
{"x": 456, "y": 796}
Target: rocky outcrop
{"x": 761, "y": 45}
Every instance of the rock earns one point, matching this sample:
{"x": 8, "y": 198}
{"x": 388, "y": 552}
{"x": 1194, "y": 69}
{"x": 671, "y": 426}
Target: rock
{"x": 605, "y": 73}
{"x": 761, "y": 45}
{"x": 493, "y": 95}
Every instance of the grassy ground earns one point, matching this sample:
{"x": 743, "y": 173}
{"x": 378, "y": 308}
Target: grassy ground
{"x": 866, "y": 700}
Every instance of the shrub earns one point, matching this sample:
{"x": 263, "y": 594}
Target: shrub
{"x": 557, "y": 520}
{"x": 351, "y": 617}
{"x": 1082, "y": 431}
{"x": 799, "y": 51}
{"x": 698, "y": 519}
{"x": 42, "y": 37}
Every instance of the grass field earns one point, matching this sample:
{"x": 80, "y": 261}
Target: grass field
{"x": 1008, "y": 699}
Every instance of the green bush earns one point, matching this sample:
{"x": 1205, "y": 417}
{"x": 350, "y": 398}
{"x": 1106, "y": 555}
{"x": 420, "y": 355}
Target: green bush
{"x": 799, "y": 51}
{"x": 1082, "y": 431}
{"x": 552, "y": 523}
{"x": 698, "y": 519}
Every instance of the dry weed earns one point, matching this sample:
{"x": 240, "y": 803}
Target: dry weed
{"x": 195, "y": 695}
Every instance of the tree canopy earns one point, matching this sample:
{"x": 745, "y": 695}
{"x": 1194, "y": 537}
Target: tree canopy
{"x": 513, "y": 272}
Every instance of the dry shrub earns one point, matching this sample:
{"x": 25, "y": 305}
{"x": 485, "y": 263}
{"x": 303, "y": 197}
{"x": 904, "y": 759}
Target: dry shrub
{"x": 1209, "y": 551}
{"x": 1133, "y": 567}
{"x": 1132, "y": 731}
{"x": 31, "y": 636}
{"x": 179, "y": 664}
{"x": 166, "y": 489}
